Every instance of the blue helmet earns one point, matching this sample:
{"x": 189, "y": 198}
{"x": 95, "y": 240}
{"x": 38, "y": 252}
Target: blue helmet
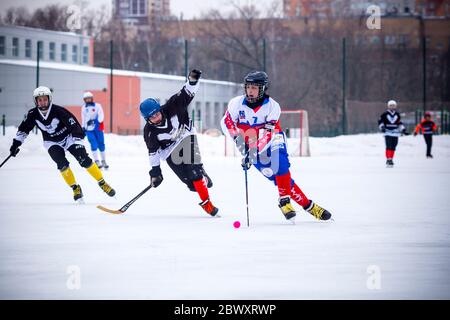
{"x": 149, "y": 107}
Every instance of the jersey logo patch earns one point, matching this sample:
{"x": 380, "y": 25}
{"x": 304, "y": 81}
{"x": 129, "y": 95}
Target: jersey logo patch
{"x": 392, "y": 119}
{"x": 242, "y": 115}
{"x": 51, "y": 128}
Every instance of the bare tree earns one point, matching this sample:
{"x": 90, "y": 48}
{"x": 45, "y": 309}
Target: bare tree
{"x": 51, "y": 17}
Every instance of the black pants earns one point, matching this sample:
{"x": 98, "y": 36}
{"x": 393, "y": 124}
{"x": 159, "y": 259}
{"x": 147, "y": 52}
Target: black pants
{"x": 391, "y": 142}
{"x": 58, "y": 155}
{"x": 429, "y": 141}
{"x": 185, "y": 161}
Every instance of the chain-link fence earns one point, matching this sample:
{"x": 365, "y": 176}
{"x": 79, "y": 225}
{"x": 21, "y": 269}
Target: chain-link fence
{"x": 343, "y": 82}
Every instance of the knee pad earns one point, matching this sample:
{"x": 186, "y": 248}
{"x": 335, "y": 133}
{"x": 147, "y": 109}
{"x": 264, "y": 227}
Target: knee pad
{"x": 191, "y": 187}
{"x": 85, "y": 162}
{"x": 196, "y": 173}
{"x": 62, "y": 165}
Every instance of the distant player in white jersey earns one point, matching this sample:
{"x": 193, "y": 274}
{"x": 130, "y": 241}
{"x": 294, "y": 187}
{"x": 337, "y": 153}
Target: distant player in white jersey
{"x": 92, "y": 117}
{"x": 252, "y": 120}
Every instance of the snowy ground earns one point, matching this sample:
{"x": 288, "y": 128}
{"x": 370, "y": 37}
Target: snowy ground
{"x": 390, "y": 238}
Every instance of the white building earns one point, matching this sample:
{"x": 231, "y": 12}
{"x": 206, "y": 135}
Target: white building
{"x": 21, "y": 43}
{"x": 68, "y": 82}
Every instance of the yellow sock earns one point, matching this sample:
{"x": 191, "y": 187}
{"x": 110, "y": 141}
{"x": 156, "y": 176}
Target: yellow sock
{"x": 95, "y": 172}
{"x": 68, "y": 177}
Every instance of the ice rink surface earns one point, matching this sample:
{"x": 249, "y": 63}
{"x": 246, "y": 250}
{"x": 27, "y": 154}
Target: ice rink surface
{"x": 390, "y": 238}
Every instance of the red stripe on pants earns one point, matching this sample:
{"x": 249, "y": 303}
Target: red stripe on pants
{"x": 298, "y": 196}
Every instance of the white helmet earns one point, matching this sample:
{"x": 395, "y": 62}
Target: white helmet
{"x": 42, "y": 91}
{"x": 88, "y": 94}
{"x": 392, "y": 104}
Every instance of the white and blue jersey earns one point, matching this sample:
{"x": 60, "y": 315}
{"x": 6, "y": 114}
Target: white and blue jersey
{"x": 260, "y": 126}
{"x": 92, "y": 116}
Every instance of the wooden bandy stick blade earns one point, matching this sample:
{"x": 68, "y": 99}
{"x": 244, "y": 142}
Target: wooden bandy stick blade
{"x": 109, "y": 210}
{"x": 127, "y": 205}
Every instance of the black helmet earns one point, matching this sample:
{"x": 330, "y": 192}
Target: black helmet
{"x": 259, "y": 78}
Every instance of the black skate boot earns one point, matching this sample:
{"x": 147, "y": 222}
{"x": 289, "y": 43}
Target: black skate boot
{"x": 389, "y": 163}
{"x": 106, "y": 188}
{"x": 77, "y": 193}
{"x": 99, "y": 165}
{"x": 209, "y": 207}
{"x": 104, "y": 165}
{"x": 287, "y": 209}
{"x": 317, "y": 211}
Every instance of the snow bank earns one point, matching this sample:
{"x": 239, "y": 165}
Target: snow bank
{"x": 362, "y": 145}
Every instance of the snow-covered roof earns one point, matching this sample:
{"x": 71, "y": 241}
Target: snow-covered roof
{"x": 29, "y": 29}
{"x": 84, "y": 68}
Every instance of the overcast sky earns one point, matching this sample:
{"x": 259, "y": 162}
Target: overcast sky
{"x": 189, "y": 8}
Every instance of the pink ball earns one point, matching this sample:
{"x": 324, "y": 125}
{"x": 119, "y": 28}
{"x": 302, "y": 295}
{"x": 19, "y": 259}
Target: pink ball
{"x": 236, "y": 224}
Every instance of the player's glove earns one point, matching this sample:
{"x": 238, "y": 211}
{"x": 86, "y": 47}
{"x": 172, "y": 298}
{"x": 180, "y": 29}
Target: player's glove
{"x": 14, "y": 150}
{"x": 404, "y": 132}
{"x": 155, "y": 176}
{"x": 249, "y": 158}
{"x": 415, "y": 134}
{"x": 194, "y": 76}
{"x": 383, "y": 129}
{"x": 90, "y": 123}
{"x": 241, "y": 145}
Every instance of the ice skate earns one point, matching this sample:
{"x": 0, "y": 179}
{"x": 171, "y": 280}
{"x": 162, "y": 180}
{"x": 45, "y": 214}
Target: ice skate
{"x": 287, "y": 209}
{"x": 77, "y": 193}
{"x": 209, "y": 208}
{"x": 106, "y": 188}
{"x": 317, "y": 211}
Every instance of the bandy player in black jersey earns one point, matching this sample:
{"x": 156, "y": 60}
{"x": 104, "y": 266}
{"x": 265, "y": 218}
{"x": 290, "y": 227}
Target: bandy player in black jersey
{"x": 61, "y": 132}
{"x": 390, "y": 123}
{"x": 171, "y": 136}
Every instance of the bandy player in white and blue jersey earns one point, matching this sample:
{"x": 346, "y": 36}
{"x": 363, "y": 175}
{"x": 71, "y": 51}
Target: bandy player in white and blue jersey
{"x": 92, "y": 117}
{"x": 252, "y": 120}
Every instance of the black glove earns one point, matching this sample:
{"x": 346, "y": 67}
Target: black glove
{"x": 156, "y": 176}
{"x": 383, "y": 129}
{"x": 14, "y": 150}
{"x": 194, "y": 76}
{"x": 249, "y": 159}
{"x": 405, "y": 133}
{"x": 90, "y": 122}
{"x": 241, "y": 145}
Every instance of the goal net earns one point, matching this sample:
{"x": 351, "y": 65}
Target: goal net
{"x": 295, "y": 125}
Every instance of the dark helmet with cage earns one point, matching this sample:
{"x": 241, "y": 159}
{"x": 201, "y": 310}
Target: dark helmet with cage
{"x": 257, "y": 78}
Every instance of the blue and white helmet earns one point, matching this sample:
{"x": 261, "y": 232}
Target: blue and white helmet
{"x": 149, "y": 107}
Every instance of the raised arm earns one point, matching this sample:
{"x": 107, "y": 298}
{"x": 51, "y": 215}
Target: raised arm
{"x": 184, "y": 97}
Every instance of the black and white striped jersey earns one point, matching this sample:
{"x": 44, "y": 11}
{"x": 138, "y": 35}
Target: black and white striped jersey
{"x": 176, "y": 125}
{"x": 391, "y": 121}
{"x": 55, "y": 126}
